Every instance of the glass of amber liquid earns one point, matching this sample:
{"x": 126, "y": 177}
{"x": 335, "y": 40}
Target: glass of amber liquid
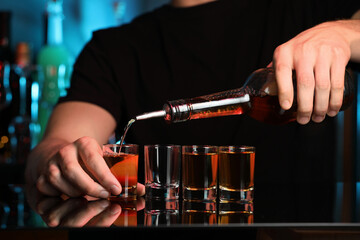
{"x": 236, "y": 173}
{"x": 199, "y": 172}
{"x": 123, "y": 163}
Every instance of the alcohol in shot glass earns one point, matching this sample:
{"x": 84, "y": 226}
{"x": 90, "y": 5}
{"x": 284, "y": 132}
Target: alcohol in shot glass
{"x": 162, "y": 171}
{"x": 199, "y": 172}
{"x": 123, "y": 163}
{"x": 236, "y": 173}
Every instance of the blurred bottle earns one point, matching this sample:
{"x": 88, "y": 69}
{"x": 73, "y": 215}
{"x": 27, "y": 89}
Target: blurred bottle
{"x": 5, "y": 52}
{"x": 20, "y": 124}
{"x": 5, "y": 92}
{"x": 119, "y": 11}
{"x": 54, "y": 60}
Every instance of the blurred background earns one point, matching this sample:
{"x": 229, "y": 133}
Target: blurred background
{"x": 39, "y": 42}
{"x": 81, "y": 18}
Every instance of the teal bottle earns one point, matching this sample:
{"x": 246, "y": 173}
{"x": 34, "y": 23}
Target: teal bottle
{"x": 54, "y": 61}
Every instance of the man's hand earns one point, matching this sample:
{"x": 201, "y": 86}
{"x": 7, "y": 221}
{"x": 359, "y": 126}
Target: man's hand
{"x": 319, "y": 56}
{"x": 78, "y": 169}
{"x": 66, "y": 162}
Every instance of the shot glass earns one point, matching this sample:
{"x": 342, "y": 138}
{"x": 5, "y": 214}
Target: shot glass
{"x": 162, "y": 171}
{"x": 123, "y": 163}
{"x": 199, "y": 172}
{"x": 236, "y": 173}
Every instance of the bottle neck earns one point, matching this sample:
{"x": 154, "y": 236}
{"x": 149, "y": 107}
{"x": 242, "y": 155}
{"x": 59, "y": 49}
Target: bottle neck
{"x": 54, "y": 31}
{"x": 233, "y": 102}
{"x": 54, "y": 22}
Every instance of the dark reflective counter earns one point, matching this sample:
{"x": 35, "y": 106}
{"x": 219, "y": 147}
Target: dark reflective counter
{"x": 279, "y": 211}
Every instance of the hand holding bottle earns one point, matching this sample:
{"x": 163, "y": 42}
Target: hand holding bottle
{"x": 319, "y": 56}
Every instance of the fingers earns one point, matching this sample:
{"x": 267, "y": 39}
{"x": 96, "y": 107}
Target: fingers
{"x": 46, "y": 188}
{"x": 68, "y": 172}
{"x": 337, "y": 74}
{"x": 95, "y": 163}
{"x": 319, "y": 57}
{"x": 82, "y": 216}
{"x": 305, "y": 81}
{"x": 53, "y": 211}
{"x": 322, "y": 90}
{"x": 77, "y": 212}
{"x": 107, "y": 217}
{"x": 283, "y": 64}
{"x": 81, "y": 182}
{"x": 140, "y": 189}
{"x": 140, "y": 204}
{"x": 65, "y": 175}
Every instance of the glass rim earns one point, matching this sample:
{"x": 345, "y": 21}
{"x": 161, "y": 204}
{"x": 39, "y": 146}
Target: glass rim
{"x": 194, "y": 149}
{"x": 118, "y": 145}
{"x": 237, "y": 147}
{"x": 162, "y": 146}
{"x": 125, "y": 148}
{"x": 200, "y": 146}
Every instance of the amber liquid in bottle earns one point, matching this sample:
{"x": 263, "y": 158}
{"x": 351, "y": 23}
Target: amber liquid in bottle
{"x": 258, "y": 98}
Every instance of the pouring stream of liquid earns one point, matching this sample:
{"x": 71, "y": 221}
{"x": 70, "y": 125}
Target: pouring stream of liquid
{"x": 121, "y": 141}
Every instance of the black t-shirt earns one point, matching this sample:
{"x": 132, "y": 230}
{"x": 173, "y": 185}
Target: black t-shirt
{"x": 173, "y": 53}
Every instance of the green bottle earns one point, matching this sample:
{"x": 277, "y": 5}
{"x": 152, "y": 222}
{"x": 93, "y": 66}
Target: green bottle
{"x": 55, "y": 63}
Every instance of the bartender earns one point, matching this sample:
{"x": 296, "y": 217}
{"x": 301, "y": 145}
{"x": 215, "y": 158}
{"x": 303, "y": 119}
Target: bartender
{"x": 190, "y": 48}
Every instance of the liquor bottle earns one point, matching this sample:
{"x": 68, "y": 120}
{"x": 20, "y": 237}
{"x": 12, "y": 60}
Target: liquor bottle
{"x": 5, "y": 90}
{"x": 20, "y": 124}
{"x": 54, "y": 60}
{"x": 258, "y": 98}
{"x": 5, "y": 53}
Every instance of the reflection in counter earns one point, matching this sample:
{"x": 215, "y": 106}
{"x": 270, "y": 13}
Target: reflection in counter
{"x": 122, "y": 212}
{"x": 236, "y": 213}
{"x": 199, "y": 213}
{"x": 161, "y": 212}
{"x": 128, "y": 215}
{"x": 210, "y": 213}
{"x": 14, "y": 210}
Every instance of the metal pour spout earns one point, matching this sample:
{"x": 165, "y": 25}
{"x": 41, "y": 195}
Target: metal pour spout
{"x": 155, "y": 114}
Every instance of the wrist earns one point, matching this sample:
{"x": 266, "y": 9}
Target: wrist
{"x": 39, "y": 157}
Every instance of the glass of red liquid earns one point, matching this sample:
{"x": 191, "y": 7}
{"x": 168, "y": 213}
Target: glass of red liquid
{"x": 123, "y": 163}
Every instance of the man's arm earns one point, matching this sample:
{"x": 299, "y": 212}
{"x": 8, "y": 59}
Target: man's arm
{"x": 69, "y": 158}
{"x": 319, "y": 56}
